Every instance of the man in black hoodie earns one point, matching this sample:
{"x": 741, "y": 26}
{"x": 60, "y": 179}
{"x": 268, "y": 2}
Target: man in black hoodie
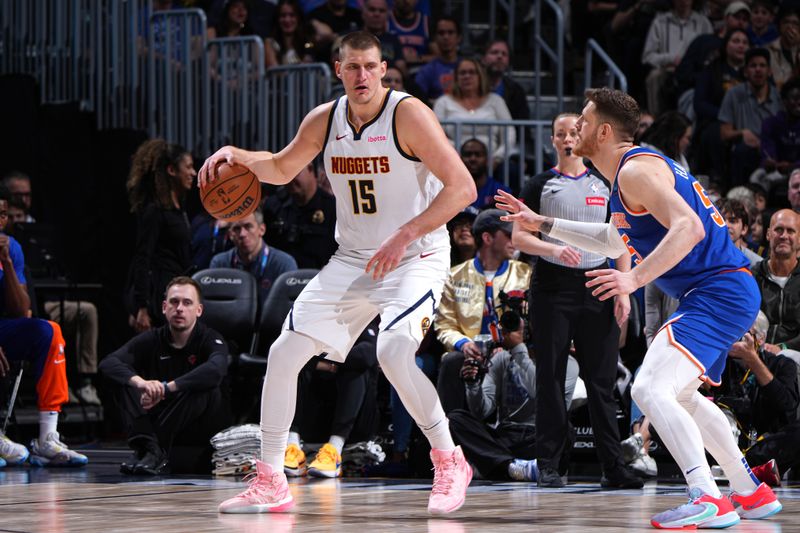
{"x": 169, "y": 378}
{"x": 778, "y": 279}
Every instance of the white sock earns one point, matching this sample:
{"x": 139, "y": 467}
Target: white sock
{"x": 48, "y": 423}
{"x": 396, "y": 357}
{"x": 294, "y": 438}
{"x": 741, "y": 478}
{"x": 700, "y": 477}
{"x": 337, "y": 442}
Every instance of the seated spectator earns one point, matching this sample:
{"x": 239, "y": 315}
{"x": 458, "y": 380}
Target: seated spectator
{"x": 332, "y": 20}
{"x": 168, "y": 379}
{"x": 473, "y": 153}
{"x": 233, "y": 21}
{"x": 472, "y": 100}
{"x": 793, "y": 194}
{"x": 470, "y": 303}
{"x": 435, "y": 77}
{"x": 785, "y": 50}
{"x": 737, "y": 218}
{"x": 260, "y": 15}
{"x": 291, "y": 40}
{"x": 667, "y": 39}
{"x": 705, "y": 47}
{"x": 711, "y": 84}
{"x": 19, "y": 187}
{"x": 412, "y": 29}
{"x": 209, "y": 237}
{"x": 346, "y": 412}
{"x": 780, "y": 140}
{"x": 462, "y": 242}
{"x": 645, "y": 121}
{"x": 761, "y": 388}
{"x": 39, "y": 342}
{"x": 375, "y": 14}
{"x": 301, "y": 220}
{"x": 251, "y": 253}
{"x": 670, "y": 134}
{"x": 762, "y": 30}
{"x": 496, "y": 59}
{"x": 498, "y": 429}
{"x": 778, "y": 278}
{"x": 742, "y": 112}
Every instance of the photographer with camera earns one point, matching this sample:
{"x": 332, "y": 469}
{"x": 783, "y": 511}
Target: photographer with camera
{"x": 468, "y": 305}
{"x": 761, "y": 388}
{"x": 498, "y": 430}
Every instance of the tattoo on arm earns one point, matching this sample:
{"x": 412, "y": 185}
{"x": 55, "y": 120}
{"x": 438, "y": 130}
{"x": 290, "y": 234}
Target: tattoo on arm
{"x": 546, "y": 226}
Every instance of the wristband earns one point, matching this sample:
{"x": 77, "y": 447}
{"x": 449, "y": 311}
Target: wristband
{"x": 783, "y": 346}
{"x": 166, "y": 389}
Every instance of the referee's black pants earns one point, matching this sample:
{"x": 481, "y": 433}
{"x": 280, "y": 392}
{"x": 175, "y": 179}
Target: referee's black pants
{"x": 564, "y": 310}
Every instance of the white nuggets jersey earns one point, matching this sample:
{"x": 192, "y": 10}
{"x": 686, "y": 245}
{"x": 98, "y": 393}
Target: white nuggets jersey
{"x": 378, "y": 187}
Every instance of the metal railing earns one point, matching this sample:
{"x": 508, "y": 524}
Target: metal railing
{"x": 293, "y": 91}
{"x": 235, "y": 108}
{"x": 508, "y": 6}
{"x": 613, "y": 72}
{"x": 177, "y": 68}
{"x": 520, "y": 161}
{"x": 79, "y": 50}
{"x": 556, "y": 56}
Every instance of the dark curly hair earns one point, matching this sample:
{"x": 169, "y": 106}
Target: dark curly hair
{"x": 148, "y": 179}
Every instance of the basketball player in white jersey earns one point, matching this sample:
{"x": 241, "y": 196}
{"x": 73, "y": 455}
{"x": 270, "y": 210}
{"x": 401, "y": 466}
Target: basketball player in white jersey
{"x": 397, "y": 181}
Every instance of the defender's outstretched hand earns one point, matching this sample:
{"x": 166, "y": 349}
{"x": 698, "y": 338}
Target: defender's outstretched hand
{"x": 519, "y": 212}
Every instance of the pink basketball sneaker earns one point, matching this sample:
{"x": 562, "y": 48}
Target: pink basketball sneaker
{"x": 268, "y": 493}
{"x": 451, "y": 476}
{"x": 761, "y": 504}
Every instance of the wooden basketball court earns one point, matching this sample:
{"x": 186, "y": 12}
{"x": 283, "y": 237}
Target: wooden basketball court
{"x": 98, "y": 499}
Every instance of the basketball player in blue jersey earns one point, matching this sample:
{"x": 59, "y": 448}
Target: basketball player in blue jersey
{"x": 397, "y": 181}
{"x": 662, "y": 217}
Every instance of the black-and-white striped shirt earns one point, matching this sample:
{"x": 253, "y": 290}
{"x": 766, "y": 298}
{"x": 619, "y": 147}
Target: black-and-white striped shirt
{"x": 583, "y": 198}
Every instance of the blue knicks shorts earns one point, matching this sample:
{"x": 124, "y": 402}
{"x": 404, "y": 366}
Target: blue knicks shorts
{"x": 711, "y": 317}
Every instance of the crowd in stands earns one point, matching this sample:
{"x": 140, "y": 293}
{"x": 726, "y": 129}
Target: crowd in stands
{"x": 516, "y": 332}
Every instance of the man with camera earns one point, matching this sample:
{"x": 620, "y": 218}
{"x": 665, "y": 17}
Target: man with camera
{"x": 470, "y": 303}
{"x": 497, "y": 431}
{"x": 761, "y": 388}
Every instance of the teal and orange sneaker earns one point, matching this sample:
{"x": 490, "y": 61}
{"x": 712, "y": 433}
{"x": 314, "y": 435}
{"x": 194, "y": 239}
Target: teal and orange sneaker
{"x": 702, "y": 511}
{"x": 327, "y": 463}
{"x": 761, "y": 504}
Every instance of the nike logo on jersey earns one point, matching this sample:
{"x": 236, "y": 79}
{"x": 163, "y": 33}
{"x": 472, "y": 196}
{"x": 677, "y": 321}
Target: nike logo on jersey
{"x": 340, "y": 137}
{"x": 163, "y": 357}
{"x": 58, "y": 361}
{"x": 424, "y": 255}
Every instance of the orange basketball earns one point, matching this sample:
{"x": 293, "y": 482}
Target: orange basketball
{"x": 234, "y": 195}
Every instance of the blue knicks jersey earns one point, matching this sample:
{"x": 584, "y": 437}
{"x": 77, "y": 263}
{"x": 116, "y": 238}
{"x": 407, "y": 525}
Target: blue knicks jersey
{"x": 641, "y": 232}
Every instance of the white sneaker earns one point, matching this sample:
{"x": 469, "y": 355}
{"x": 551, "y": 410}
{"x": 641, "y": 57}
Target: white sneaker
{"x": 11, "y": 452}
{"x": 88, "y": 395}
{"x": 644, "y": 465}
{"x": 632, "y": 447}
{"x": 53, "y": 452}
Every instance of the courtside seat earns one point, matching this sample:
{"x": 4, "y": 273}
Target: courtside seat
{"x": 230, "y": 304}
{"x": 285, "y": 290}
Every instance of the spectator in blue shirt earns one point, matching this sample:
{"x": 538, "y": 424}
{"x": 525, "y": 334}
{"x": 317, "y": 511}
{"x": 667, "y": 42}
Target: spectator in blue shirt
{"x": 250, "y": 253}
{"x": 474, "y": 155}
{"x": 436, "y": 78}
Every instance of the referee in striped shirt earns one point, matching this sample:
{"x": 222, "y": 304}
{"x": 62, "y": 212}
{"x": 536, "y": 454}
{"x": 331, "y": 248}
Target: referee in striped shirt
{"x": 564, "y": 311}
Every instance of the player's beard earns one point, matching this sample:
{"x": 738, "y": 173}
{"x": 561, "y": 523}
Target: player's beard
{"x": 586, "y": 147}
